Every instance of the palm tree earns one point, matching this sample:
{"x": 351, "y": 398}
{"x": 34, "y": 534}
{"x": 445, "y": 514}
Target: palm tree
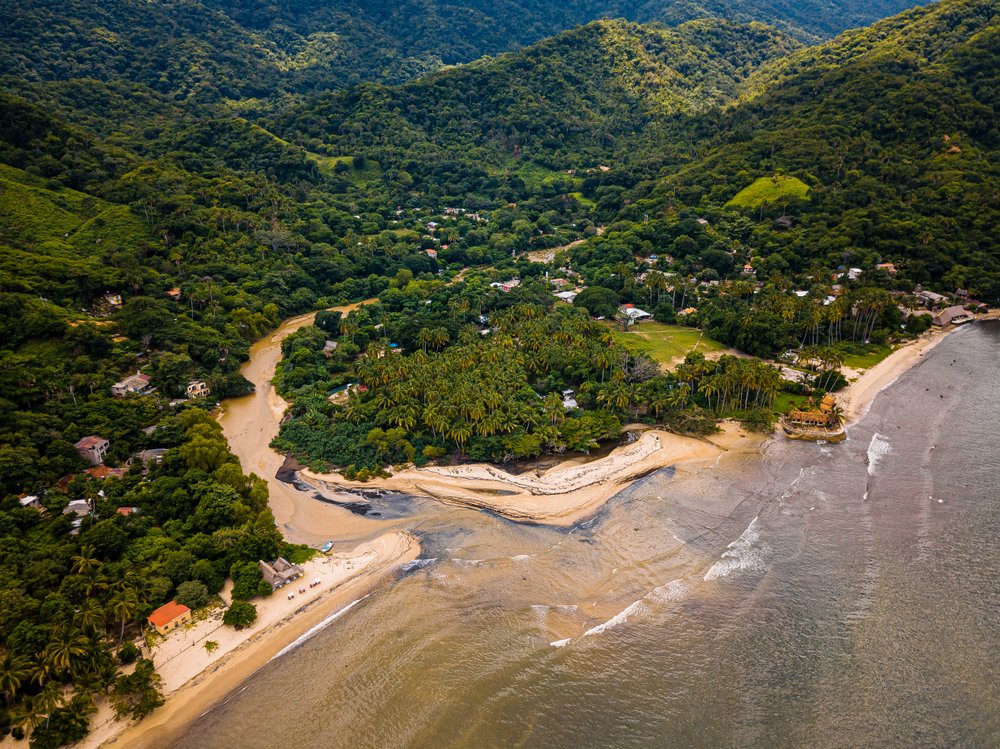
{"x": 85, "y": 562}
{"x": 123, "y": 608}
{"x": 90, "y": 616}
{"x": 26, "y": 716}
{"x": 63, "y": 649}
{"x": 210, "y": 646}
{"x": 14, "y": 669}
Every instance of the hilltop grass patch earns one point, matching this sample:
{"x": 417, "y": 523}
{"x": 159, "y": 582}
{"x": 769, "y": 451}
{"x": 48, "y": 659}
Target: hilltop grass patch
{"x": 775, "y": 190}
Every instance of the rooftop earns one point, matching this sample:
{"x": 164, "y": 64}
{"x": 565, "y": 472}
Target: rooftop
{"x": 167, "y": 613}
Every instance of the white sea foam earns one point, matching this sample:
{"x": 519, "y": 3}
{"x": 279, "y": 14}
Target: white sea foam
{"x": 467, "y": 562}
{"x": 317, "y": 629}
{"x": 745, "y": 553}
{"x": 568, "y": 608}
{"x": 633, "y": 609}
{"x": 878, "y": 448}
{"x": 522, "y": 557}
{"x": 672, "y": 591}
{"x": 560, "y": 643}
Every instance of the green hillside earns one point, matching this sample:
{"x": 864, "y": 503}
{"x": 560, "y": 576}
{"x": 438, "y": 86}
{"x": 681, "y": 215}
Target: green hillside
{"x": 220, "y": 49}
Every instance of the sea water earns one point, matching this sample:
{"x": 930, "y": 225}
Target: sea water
{"x": 813, "y": 596}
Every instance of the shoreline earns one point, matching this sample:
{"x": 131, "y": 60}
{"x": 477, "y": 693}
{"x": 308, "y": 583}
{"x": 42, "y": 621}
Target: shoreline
{"x": 857, "y": 398}
{"x": 193, "y": 690}
{"x": 564, "y": 494}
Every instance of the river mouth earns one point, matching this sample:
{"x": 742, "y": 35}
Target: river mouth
{"x": 818, "y": 595}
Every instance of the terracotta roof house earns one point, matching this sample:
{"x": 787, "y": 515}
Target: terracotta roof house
{"x": 103, "y": 472}
{"x": 174, "y": 294}
{"x": 137, "y": 384}
{"x": 92, "y": 449}
{"x": 279, "y": 572}
{"x": 169, "y": 617}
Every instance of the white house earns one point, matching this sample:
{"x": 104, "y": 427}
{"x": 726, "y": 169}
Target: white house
{"x": 634, "y": 313}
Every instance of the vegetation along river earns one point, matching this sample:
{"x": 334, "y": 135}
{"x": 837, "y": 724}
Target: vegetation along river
{"x": 816, "y": 595}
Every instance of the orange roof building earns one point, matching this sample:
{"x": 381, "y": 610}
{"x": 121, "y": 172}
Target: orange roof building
{"x": 169, "y": 617}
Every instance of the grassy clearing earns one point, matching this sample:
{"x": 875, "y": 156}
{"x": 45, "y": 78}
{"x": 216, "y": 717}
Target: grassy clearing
{"x": 362, "y": 177}
{"x": 868, "y": 360}
{"x": 785, "y": 402}
{"x": 666, "y": 343}
{"x": 774, "y": 190}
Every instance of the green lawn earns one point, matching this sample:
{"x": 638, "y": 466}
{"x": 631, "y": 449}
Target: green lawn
{"x": 786, "y": 401}
{"x": 771, "y": 191}
{"x": 665, "y": 343}
{"x": 866, "y": 361}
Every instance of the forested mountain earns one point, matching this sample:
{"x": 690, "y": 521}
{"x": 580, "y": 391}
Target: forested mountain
{"x": 224, "y": 49}
{"x": 893, "y": 128}
{"x": 569, "y": 101}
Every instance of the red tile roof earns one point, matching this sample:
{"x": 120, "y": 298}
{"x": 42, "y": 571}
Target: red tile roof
{"x": 88, "y": 442}
{"x": 167, "y": 613}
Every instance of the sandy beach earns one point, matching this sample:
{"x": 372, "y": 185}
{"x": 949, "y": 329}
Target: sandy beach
{"x": 194, "y": 680}
{"x": 564, "y": 494}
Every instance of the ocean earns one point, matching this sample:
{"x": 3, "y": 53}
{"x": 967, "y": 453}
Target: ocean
{"x": 813, "y": 596}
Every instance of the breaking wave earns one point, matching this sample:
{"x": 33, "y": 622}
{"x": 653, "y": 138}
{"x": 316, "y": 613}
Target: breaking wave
{"x": 620, "y": 618}
{"x": 878, "y": 448}
{"x": 745, "y": 553}
{"x": 317, "y": 629}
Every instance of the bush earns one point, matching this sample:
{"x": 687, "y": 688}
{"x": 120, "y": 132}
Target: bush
{"x": 128, "y": 653}
{"x": 192, "y": 594}
{"x": 241, "y": 614}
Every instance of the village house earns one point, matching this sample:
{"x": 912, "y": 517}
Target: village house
{"x": 568, "y": 400}
{"x": 951, "y": 316}
{"x": 566, "y": 296}
{"x": 198, "y": 389}
{"x": 152, "y": 457}
{"x": 930, "y": 298}
{"x": 137, "y": 384}
{"x": 634, "y": 313}
{"x": 432, "y": 254}
{"x": 748, "y": 270}
{"x": 889, "y": 268}
{"x": 280, "y": 572}
{"x": 126, "y": 511}
{"x": 92, "y": 449}
{"x": 329, "y": 347}
{"x": 174, "y": 294}
{"x": 506, "y": 286}
{"x": 81, "y": 509}
{"x": 169, "y": 617}
{"x": 687, "y": 311}
{"x": 30, "y": 500}
{"x": 113, "y": 300}
{"x": 102, "y": 472}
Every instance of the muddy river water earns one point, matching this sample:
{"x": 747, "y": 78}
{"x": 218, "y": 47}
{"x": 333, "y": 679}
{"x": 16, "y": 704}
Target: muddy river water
{"x": 810, "y": 596}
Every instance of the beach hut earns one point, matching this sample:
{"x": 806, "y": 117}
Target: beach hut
{"x": 169, "y": 617}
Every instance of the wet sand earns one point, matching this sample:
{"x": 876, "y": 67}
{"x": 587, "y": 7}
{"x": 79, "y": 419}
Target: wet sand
{"x": 251, "y": 422}
{"x": 564, "y": 494}
{"x": 195, "y": 682}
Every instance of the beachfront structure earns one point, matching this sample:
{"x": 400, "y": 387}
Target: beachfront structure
{"x": 823, "y": 416}
{"x": 952, "y": 315}
{"x": 92, "y": 449}
{"x": 169, "y": 617}
{"x": 198, "y": 389}
{"x": 137, "y": 384}
{"x": 279, "y": 572}
{"x": 566, "y": 296}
